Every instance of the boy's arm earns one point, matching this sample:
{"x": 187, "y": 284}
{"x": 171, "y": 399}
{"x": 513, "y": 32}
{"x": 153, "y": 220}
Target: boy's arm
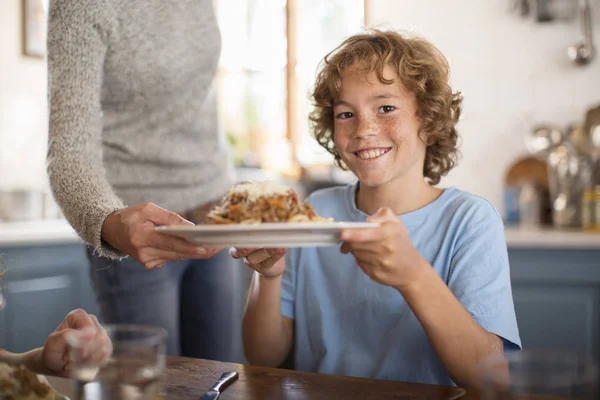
{"x": 473, "y": 316}
{"x": 267, "y": 334}
{"x": 459, "y": 341}
{"x": 467, "y": 320}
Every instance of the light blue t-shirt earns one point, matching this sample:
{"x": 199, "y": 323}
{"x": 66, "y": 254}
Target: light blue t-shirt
{"x": 347, "y": 324}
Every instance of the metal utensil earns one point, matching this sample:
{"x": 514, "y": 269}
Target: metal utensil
{"x": 567, "y": 169}
{"x": 583, "y": 52}
{"x": 542, "y": 139}
{"x": 591, "y": 129}
{"x": 542, "y": 11}
{"x": 523, "y": 7}
{"x": 225, "y": 380}
{"x": 21, "y": 205}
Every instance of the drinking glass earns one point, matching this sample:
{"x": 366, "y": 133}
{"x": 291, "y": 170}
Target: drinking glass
{"x": 133, "y": 370}
{"x": 539, "y": 375}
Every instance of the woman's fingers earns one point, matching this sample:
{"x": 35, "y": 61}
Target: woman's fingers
{"x": 176, "y": 244}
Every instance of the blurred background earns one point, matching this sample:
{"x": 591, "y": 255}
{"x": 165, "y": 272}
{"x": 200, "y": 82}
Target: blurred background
{"x": 530, "y": 141}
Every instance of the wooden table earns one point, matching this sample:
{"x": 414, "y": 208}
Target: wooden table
{"x": 188, "y": 379}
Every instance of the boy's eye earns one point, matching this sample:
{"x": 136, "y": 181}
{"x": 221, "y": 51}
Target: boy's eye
{"x": 344, "y": 115}
{"x": 386, "y": 109}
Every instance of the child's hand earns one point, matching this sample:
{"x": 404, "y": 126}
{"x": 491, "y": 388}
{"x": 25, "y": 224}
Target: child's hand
{"x": 384, "y": 253}
{"x": 267, "y": 262}
{"x": 83, "y": 327}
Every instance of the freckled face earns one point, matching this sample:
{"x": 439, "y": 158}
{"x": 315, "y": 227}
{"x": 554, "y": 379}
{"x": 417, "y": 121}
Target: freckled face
{"x": 376, "y": 130}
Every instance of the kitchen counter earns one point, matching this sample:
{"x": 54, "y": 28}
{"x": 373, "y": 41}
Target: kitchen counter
{"x": 37, "y": 233}
{"x": 45, "y": 232}
{"x": 548, "y": 238}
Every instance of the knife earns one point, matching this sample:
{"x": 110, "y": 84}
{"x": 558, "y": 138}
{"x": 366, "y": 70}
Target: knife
{"x": 225, "y": 380}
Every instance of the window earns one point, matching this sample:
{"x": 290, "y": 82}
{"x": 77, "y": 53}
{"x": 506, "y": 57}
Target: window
{"x": 264, "y": 105}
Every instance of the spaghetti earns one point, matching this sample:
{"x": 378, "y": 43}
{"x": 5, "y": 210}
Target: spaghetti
{"x": 23, "y": 384}
{"x": 262, "y": 202}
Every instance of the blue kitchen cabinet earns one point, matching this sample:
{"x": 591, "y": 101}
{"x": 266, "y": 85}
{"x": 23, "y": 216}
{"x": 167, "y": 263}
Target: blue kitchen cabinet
{"x": 557, "y": 298}
{"x": 41, "y": 285}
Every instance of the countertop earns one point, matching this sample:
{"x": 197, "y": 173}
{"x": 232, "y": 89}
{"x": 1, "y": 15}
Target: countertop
{"x": 46, "y": 232}
{"x": 548, "y": 238}
{"x": 37, "y": 233}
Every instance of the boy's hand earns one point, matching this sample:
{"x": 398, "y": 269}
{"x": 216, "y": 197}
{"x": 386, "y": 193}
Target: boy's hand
{"x": 267, "y": 262}
{"x": 385, "y": 253}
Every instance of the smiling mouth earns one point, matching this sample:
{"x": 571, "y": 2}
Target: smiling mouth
{"x": 371, "y": 154}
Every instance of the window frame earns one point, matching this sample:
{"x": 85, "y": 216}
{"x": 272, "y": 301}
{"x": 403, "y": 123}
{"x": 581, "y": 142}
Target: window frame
{"x": 293, "y": 133}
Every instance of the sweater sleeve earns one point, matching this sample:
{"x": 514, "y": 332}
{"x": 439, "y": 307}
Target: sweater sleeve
{"x": 78, "y": 33}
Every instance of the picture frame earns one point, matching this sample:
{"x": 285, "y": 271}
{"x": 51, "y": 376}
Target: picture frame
{"x": 34, "y": 27}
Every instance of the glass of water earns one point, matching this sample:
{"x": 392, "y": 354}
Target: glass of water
{"x": 132, "y": 372}
{"x": 539, "y": 375}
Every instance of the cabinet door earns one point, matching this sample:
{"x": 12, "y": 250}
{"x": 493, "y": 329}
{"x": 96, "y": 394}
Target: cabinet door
{"x": 557, "y": 299}
{"x": 558, "y": 317}
{"x": 42, "y": 285}
{"x": 37, "y": 306}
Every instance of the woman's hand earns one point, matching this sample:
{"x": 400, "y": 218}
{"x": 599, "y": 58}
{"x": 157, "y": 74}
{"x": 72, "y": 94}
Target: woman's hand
{"x": 385, "y": 253}
{"x": 54, "y": 356}
{"x": 131, "y": 230}
{"x": 267, "y": 262}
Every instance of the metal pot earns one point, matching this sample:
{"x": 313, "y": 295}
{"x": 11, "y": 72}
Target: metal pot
{"x": 22, "y": 205}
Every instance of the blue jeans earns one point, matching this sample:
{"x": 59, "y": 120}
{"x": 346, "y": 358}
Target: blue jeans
{"x": 198, "y": 302}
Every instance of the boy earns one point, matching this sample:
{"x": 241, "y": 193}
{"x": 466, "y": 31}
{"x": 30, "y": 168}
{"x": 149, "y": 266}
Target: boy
{"x": 424, "y": 297}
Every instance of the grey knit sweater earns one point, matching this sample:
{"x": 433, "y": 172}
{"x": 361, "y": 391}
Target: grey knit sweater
{"x": 133, "y": 113}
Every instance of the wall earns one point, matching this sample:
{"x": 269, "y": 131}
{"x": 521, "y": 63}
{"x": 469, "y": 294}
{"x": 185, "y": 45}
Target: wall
{"x": 513, "y": 73}
{"x": 23, "y": 110}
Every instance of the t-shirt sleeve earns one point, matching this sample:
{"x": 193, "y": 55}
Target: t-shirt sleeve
{"x": 480, "y": 273}
{"x": 288, "y": 284}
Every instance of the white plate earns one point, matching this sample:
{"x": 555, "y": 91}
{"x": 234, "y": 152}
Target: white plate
{"x": 306, "y": 234}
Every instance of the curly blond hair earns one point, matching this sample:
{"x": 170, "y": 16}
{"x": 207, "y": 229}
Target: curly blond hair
{"x": 420, "y": 67}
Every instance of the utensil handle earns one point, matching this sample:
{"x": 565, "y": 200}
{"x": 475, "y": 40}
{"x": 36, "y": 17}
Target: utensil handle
{"x": 226, "y": 379}
{"x": 586, "y": 23}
